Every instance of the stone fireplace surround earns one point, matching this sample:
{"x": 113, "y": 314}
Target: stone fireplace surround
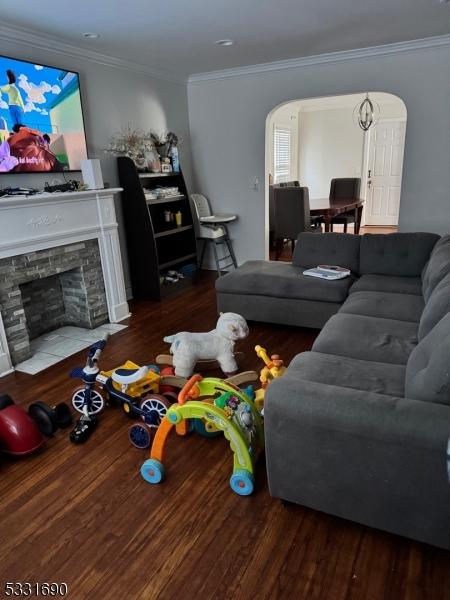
{"x": 70, "y": 238}
{"x": 47, "y": 289}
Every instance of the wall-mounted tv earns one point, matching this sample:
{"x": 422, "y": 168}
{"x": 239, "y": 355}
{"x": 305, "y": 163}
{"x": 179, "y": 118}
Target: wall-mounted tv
{"x": 41, "y": 118}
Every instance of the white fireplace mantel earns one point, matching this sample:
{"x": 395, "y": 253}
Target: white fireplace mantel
{"x": 41, "y": 221}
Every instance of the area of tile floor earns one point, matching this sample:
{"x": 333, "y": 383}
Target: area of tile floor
{"x": 52, "y": 347}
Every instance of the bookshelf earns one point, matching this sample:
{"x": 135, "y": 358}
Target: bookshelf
{"x": 153, "y": 244}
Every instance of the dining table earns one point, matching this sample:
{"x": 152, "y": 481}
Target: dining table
{"x": 329, "y": 208}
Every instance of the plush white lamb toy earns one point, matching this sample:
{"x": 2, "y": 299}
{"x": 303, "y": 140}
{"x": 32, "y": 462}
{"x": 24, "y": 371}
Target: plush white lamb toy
{"x": 187, "y": 348}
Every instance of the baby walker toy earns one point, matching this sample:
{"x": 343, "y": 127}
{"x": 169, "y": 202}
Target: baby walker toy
{"x": 226, "y": 408}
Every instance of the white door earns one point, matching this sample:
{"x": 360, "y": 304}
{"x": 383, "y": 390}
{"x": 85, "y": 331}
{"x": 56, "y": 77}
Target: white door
{"x": 384, "y": 176}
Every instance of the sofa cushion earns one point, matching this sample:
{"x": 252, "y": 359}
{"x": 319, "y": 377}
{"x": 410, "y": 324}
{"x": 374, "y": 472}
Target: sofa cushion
{"x": 438, "y": 266}
{"x": 327, "y": 249}
{"x": 281, "y": 280}
{"x": 397, "y": 254}
{"x": 382, "y": 378}
{"x": 436, "y": 307}
{"x": 368, "y": 338}
{"x": 403, "y": 307}
{"x": 388, "y": 283}
{"x": 428, "y": 368}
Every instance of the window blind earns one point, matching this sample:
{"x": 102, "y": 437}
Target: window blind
{"x": 282, "y": 154}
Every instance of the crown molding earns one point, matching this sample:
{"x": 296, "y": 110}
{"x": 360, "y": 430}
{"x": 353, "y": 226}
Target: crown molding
{"x": 320, "y": 59}
{"x": 27, "y": 37}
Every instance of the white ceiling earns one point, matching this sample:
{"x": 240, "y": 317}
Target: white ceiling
{"x": 178, "y": 35}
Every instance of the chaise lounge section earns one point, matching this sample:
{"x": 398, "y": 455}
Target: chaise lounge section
{"x": 278, "y": 292}
{"x": 359, "y": 427}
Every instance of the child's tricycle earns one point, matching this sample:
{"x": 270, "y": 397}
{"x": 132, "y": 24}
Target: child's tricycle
{"x": 133, "y": 387}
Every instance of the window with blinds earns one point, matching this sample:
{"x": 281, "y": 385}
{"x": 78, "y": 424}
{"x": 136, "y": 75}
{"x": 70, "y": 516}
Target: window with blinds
{"x": 281, "y": 154}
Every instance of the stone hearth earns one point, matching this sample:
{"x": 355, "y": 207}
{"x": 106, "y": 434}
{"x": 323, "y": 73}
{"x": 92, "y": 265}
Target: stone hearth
{"x": 47, "y": 289}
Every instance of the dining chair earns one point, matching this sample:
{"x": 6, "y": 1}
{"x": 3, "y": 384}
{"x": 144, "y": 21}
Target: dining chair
{"x": 291, "y": 215}
{"x": 344, "y": 187}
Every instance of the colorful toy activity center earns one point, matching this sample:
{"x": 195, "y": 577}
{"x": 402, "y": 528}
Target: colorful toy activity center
{"x": 221, "y": 406}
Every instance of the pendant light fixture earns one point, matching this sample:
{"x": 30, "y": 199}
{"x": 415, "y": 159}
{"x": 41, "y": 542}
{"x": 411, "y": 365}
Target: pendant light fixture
{"x": 367, "y": 113}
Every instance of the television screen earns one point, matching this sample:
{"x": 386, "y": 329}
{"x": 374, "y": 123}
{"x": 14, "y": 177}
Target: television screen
{"x": 41, "y": 119}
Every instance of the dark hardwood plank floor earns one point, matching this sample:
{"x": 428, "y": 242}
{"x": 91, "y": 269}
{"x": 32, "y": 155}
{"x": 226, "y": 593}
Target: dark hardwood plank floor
{"x": 83, "y": 515}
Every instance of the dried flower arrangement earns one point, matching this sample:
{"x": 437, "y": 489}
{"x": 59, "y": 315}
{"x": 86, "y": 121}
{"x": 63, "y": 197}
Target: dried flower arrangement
{"x": 134, "y": 143}
{"x": 138, "y": 145}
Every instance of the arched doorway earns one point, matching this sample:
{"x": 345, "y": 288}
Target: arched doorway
{"x": 315, "y": 140}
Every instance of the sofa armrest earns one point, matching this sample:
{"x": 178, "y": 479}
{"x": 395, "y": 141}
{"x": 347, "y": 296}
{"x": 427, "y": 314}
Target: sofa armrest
{"x": 371, "y": 415}
{"x": 368, "y": 457}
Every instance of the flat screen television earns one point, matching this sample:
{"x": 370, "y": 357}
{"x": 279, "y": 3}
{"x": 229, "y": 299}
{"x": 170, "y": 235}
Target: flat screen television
{"x": 41, "y": 118}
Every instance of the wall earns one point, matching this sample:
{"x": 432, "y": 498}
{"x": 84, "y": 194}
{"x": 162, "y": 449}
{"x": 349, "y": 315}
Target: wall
{"x": 112, "y": 97}
{"x": 330, "y": 146}
{"x": 228, "y": 120}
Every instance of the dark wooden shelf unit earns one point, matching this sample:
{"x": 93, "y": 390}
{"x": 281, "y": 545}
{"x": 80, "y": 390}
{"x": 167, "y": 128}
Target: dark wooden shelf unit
{"x": 153, "y": 244}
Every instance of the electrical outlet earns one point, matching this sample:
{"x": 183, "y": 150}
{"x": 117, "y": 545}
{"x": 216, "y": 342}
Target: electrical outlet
{"x": 255, "y": 184}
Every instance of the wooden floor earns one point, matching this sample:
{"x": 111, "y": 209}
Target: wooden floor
{"x": 83, "y": 515}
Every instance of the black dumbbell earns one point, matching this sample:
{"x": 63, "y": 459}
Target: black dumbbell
{"x": 49, "y": 418}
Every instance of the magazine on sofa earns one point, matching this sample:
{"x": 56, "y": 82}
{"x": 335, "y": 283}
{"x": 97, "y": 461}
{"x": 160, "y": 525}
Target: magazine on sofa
{"x": 330, "y": 272}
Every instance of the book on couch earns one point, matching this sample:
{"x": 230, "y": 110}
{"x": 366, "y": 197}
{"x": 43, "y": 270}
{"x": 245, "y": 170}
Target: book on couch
{"x": 330, "y": 272}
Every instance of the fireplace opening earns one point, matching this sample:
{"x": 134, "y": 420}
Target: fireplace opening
{"x": 56, "y": 301}
{"x": 48, "y": 289}
{"x": 43, "y": 304}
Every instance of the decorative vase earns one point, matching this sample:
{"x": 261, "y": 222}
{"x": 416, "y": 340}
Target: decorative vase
{"x": 155, "y": 166}
{"x": 163, "y": 150}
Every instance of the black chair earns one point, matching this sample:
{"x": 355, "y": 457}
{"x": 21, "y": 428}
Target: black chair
{"x": 291, "y": 215}
{"x": 289, "y": 184}
{"x": 344, "y": 187}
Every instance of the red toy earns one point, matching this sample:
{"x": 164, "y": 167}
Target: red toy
{"x": 23, "y": 432}
{"x": 19, "y": 434}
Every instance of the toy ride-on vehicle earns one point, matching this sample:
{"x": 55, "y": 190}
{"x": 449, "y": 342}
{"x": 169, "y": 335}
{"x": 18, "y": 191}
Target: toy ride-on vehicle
{"x": 134, "y": 388}
{"x": 142, "y": 392}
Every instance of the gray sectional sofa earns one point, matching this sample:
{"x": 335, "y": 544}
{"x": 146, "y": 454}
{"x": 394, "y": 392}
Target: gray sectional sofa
{"x": 359, "y": 427}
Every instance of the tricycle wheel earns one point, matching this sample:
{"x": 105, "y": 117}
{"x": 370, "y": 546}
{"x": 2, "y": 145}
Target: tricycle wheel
{"x": 140, "y": 435}
{"x": 78, "y": 402}
{"x": 152, "y": 471}
{"x": 5, "y": 401}
{"x": 154, "y": 408}
{"x": 172, "y": 397}
{"x": 242, "y": 482}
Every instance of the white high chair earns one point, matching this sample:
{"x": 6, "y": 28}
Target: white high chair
{"x": 212, "y": 228}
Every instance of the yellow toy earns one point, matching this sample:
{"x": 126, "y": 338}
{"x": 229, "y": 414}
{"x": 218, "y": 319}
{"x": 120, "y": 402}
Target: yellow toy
{"x": 149, "y": 382}
{"x": 273, "y": 368}
{"x": 140, "y": 390}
